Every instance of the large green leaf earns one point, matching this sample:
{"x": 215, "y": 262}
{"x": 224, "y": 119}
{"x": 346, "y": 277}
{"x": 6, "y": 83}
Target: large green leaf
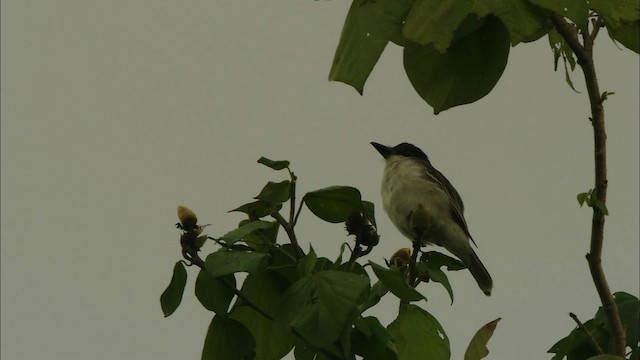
{"x": 628, "y": 34}
{"x": 320, "y": 305}
{"x": 372, "y": 341}
{"x": 244, "y": 230}
{"x": 525, "y": 21}
{"x": 393, "y": 280}
{"x": 265, "y": 291}
{"x": 621, "y": 18}
{"x": 224, "y": 262}
{"x": 466, "y": 72}
{"x": 435, "y": 21}
{"x": 334, "y": 204}
{"x": 172, "y": 295}
{"x": 367, "y": 29}
{"x": 275, "y": 192}
{"x": 215, "y": 294}
{"x": 477, "y": 349}
{"x": 418, "y": 335}
{"x": 629, "y": 310}
{"x": 227, "y": 339}
{"x": 575, "y": 10}
{"x": 258, "y": 209}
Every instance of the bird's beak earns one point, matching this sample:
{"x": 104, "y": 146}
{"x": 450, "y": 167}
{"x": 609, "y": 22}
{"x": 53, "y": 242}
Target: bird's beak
{"x": 385, "y": 151}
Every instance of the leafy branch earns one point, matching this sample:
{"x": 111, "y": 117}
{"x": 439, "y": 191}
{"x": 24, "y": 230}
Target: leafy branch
{"x": 584, "y": 55}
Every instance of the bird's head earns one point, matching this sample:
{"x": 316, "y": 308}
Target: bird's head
{"x": 404, "y": 149}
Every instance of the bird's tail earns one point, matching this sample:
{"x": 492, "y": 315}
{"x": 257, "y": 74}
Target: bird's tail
{"x": 478, "y": 271}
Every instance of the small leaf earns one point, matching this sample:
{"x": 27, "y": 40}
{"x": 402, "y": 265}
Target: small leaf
{"x": 258, "y": 209}
{"x": 378, "y": 290}
{"x": 369, "y": 211}
{"x": 416, "y": 333}
{"x": 436, "y": 259}
{"x": 582, "y": 197}
{"x": 308, "y": 263}
{"x": 275, "y": 192}
{"x": 477, "y": 349}
{"x": 228, "y": 339}
{"x": 394, "y": 281}
{"x": 224, "y": 262}
{"x": 214, "y": 294}
{"x": 334, "y": 204}
{"x": 172, "y": 296}
{"x": 274, "y": 164}
{"x": 320, "y": 305}
{"x": 244, "y": 230}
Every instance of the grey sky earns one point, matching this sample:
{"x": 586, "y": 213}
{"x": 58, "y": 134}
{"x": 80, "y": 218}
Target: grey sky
{"x": 114, "y": 112}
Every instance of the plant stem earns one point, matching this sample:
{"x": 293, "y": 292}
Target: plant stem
{"x": 586, "y": 332}
{"x": 292, "y": 235}
{"x": 584, "y": 55}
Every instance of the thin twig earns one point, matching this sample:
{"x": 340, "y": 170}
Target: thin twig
{"x": 292, "y": 203}
{"x": 412, "y": 263}
{"x": 584, "y": 55}
{"x": 292, "y": 235}
{"x": 586, "y": 332}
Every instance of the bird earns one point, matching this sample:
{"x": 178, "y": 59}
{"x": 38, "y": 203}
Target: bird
{"x": 411, "y": 184}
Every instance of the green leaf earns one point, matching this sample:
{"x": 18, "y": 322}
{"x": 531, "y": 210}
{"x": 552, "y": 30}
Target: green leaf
{"x": 224, "y": 262}
{"x": 394, "y": 281}
{"x": 575, "y": 10}
{"x": 172, "y": 296}
{"x": 227, "y": 339}
{"x": 629, "y": 310}
{"x": 576, "y": 345}
{"x": 477, "y": 349}
{"x": 378, "y": 290}
{"x": 320, "y": 305}
{"x": 628, "y": 34}
{"x": 605, "y": 357}
{"x": 369, "y": 211}
{"x": 262, "y": 238}
{"x": 436, "y": 259}
{"x": 434, "y": 22}
{"x": 258, "y": 209}
{"x": 525, "y": 21}
{"x": 372, "y": 341}
{"x": 214, "y": 294}
{"x": 265, "y": 291}
{"x": 275, "y": 192}
{"x": 274, "y": 164}
{"x": 418, "y": 335}
{"x": 308, "y": 263}
{"x": 244, "y": 230}
{"x": 466, "y": 72}
{"x": 367, "y": 29}
{"x": 334, "y": 204}
{"x": 617, "y": 12}
{"x": 582, "y": 197}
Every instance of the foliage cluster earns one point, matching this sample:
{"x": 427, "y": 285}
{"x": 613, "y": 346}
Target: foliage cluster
{"x": 292, "y": 299}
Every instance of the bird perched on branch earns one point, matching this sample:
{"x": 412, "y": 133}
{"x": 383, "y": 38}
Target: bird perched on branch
{"x": 410, "y": 186}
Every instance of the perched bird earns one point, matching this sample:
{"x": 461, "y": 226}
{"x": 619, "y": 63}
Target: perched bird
{"x": 410, "y": 183}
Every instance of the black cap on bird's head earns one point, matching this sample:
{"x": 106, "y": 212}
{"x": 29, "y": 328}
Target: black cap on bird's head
{"x": 404, "y": 149}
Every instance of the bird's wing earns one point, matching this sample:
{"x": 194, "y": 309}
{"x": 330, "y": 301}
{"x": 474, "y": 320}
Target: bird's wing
{"x": 457, "y": 207}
